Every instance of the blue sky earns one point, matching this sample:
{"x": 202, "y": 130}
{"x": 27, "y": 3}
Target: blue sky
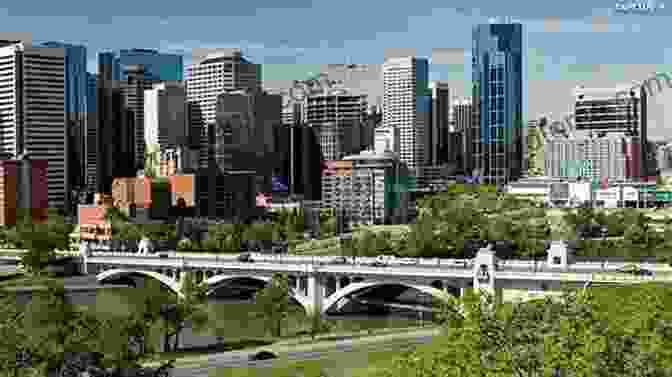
{"x": 568, "y": 42}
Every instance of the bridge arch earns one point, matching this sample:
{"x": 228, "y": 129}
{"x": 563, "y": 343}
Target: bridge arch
{"x": 118, "y": 273}
{"x": 218, "y": 281}
{"x": 358, "y": 287}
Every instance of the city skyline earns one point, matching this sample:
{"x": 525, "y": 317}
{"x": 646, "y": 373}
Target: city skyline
{"x": 559, "y": 40}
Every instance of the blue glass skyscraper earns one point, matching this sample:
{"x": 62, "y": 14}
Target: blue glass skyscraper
{"x": 75, "y": 108}
{"x": 158, "y": 66}
{"x": 496, "y": 137}
{"x": 91, "y": 146}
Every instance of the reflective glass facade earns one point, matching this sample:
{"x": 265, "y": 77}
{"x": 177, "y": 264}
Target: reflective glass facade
{"x": 158, "y": 66}
{"x": 75, "y": 108}
{"x": 75, "y": 77}
{"x": 497, "y": 133}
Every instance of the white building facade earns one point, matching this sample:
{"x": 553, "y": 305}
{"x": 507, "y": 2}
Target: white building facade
{"x": 407, "y": 106}
{"x": 386, "y": 139}
{"x": 32, "y": 110}
{"x": 211, "y": 74}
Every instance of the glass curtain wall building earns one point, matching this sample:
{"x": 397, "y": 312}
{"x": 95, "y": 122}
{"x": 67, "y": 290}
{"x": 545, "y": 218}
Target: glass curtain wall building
{"x": 158, "y": 66}
{"x": 497, "y": 131}
{"x": 75, "y": 109}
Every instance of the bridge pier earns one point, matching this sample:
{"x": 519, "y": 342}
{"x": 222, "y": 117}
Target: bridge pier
{"x": 315, "y": 292}
{"x": 484, "y": 273}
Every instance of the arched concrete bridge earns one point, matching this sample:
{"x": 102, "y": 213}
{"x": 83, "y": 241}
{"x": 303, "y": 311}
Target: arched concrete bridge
{"x": 317, "y": 294}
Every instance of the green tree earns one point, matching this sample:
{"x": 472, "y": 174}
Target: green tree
{"x": 421, "y": 240}
{"x": 613, "y": 332}
{"x": 177, "y": 311}
{"x": 57, "y": 328}
{"x": 12, "y": 336}
{"x": 273, "y": 303}
{"x": 259, "y": 234}
{"x": 319, "y": 325}
{"x": 366, "y": 244}
{"x": 42, "y": 240}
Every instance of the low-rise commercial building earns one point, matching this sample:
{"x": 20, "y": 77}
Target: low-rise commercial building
{"x": 23, "y": 190}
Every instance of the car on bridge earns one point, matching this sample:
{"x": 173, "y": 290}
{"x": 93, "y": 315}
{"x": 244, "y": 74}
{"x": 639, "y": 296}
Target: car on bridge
{"x": 383, "y": 260}
{"x": 245, "y": 257}
{"x": 339, "y": 260}
{"x": 634, "y": 269}
{"x": 408, "y": 261}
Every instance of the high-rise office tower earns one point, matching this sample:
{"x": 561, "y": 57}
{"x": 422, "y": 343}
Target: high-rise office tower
{"x": 463, "y": 120}
{"x": 497, "y": 136}
{"x": 91, "y": 134}
{"x": 133, "y": 89}
{"x": 340, "y": 117}
{"x": 115, "y": 144}
{"x": 207, "y": 77}
{"x": 32, "y": 83}
{"x": 243, "y": 133}
{"x": 311, "y": 161}
{"x": 406, "y": 105}
{"x": 386, "y": 139}
{"x": 75, "y": 109}
{"x": 438, "y": 136}
{"x": 165, "y": 115}
{"x": 158, "y": 66}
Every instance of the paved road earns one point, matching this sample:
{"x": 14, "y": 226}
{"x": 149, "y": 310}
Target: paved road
{"x": 240, "y": 359}
{"x": 7, "y": 268}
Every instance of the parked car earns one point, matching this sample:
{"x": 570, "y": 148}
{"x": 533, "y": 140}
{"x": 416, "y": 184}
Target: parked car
{"x": 380, "y": 261}
{"x": 262, "y": 355}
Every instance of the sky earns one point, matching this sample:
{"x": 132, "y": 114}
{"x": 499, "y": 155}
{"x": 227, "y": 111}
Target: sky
{"x": 568, "y": 42}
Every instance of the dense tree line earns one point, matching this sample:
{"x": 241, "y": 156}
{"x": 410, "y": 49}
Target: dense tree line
{"x": 609, "y": 332}
{"x": 454, "y": 224}
{"x": 50, "y": 336}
